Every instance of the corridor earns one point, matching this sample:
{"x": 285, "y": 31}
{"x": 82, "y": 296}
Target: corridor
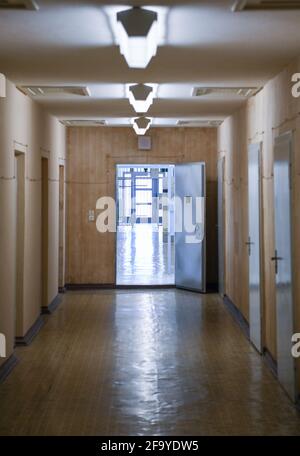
{"x": 137, "y": 363}
{"x": 150, "y": 222}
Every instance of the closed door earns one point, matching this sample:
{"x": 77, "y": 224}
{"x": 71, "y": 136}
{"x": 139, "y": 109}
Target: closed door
{"x": 282, "y": 260}
{"x": 221, "y": 225}
{"x": 253, "y": 243}
{"x": 45, "y": 192}
{"x": 190, "y": 226}
{"x": 61, "y": 252}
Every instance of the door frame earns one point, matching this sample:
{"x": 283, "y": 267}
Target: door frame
{"x": 154, "y": 165}
{"x": 19, "y": 152}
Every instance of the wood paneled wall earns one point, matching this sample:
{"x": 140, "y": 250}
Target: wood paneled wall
{"x": 272, "y": 112}
{"x": 92, "y": 157}
{"x": 26, "y": 128}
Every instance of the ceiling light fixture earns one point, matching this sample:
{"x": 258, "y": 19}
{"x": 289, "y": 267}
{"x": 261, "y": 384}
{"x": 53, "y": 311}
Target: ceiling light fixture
{"x": 141, "y": 125}
{"x": 137, "y": 35}
{"x": 140, "y": 97}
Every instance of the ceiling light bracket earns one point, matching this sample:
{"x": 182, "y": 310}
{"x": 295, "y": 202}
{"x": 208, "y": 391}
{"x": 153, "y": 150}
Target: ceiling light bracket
{"x": 140, "y": 91}
{"x": 141, "y": 124}
{"x": 137, "y": 21}
{"x": 141, "y": 97}
{"x": 137, "y": 36}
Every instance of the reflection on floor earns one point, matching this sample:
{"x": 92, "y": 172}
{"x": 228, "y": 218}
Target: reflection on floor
{"x": 161, "y": 362}
{"x": 143, "y": 258}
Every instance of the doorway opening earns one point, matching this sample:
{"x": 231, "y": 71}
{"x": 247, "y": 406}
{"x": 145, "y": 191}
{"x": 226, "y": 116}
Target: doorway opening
{"x": 145, "y": 225}
{"x": 20, "y": 241}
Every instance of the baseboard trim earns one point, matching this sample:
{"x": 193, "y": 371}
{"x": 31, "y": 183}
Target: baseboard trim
{"x": 244, "y": 325}
{"x": 31, "y": 333}
{"x": 7, "y": 367}
{"x": 212, "y": 287}
{"x": 270, "y": 361}
{"x": 48, "y": 310}
{"x": 237, "y": 315}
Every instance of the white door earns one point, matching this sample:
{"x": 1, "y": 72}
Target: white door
{"x": 253, "y": 242}
{"x": 190, "y": 226}
{"x": 282, "y": 260}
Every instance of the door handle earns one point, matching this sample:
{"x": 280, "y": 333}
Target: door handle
{"x": 249, "y": 243}
{"x": 198, "y": 231}
{"x": 276, "y": 258}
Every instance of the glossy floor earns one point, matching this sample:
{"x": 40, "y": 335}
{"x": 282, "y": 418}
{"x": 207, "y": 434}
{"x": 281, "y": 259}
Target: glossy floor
{"x": 143, "y": 363}
{"x": 143, "y": 258}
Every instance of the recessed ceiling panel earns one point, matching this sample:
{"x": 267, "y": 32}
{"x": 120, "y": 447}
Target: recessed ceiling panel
{"x": 18, "y": 5}
{"x": 43, "y": 91}
{"x": 83, "y": 123}
{"x": 244, "y": 92}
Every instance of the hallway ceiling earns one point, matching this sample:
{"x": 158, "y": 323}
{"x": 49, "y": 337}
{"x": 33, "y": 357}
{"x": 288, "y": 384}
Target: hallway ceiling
{"x": 203, "y": 43}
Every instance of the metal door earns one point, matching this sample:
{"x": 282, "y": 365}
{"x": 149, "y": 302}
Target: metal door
{"x": 253, "y": 242}
{"x": 282, "y": 260}
{"x": 221, "y": 237}
{"x": 190, "y": 226}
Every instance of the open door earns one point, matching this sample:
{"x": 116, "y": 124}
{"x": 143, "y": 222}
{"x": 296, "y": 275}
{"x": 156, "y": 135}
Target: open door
{"x": 253, "y": 242}
{"x": 283, "y": 263}
{"x": 190, "y": 226}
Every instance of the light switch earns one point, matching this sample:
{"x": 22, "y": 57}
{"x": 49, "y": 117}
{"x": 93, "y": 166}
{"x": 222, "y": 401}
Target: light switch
{"x": 91, "y": 216}
{"x": 2, "y": 86}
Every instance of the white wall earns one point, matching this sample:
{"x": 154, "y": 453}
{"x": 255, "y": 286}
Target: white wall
{"x": 26, "y": 126}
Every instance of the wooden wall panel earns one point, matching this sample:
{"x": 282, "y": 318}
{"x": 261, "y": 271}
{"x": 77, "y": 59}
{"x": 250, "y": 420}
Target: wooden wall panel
{"x": 25, "y": 126}
{"x": 272, "y": 112}
{"x": 91, "y": 162}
